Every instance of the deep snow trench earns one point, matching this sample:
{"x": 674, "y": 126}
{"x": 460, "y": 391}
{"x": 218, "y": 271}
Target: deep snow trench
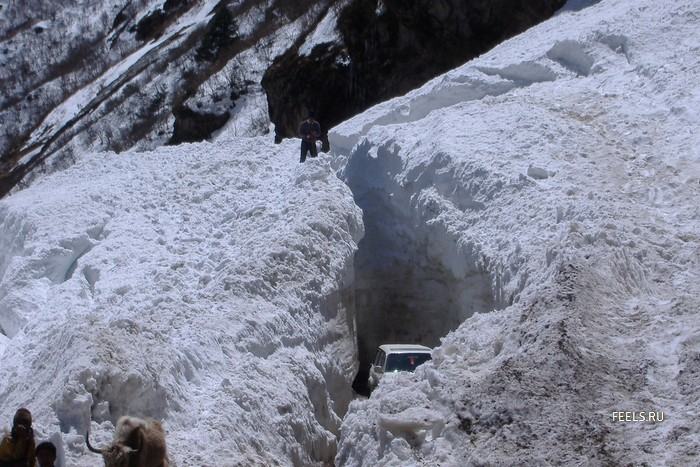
{"x": 413, "y": 285}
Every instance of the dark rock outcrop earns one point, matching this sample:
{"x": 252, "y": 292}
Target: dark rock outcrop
{"x": 387, "y": 52}
{"x": 321, "y": 82}
{"x": 153, "y": 24}
{"x": 191, "y": 126}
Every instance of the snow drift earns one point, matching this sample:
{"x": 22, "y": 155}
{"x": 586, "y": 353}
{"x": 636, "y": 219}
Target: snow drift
{"x": 559, "y": 174}
{"x": 204, "y": 285}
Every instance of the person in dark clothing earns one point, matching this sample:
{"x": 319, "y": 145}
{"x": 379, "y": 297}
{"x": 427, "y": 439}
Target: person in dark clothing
{"x": 310, "y": 131}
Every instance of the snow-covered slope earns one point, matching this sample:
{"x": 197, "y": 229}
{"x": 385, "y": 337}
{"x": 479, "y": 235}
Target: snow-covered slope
{"x": 115, "y": 75}
{"x": 565, "y": 166}
{"x": 205, "y": 285}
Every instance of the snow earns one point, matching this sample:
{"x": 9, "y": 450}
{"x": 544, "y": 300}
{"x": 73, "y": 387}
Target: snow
{"x": 381, "y": 8}
{"x": 326, "y": 32}
{"x": 563, "y": 168}
{"x": 204, "y": 285}
{"x": 249, "y": 21}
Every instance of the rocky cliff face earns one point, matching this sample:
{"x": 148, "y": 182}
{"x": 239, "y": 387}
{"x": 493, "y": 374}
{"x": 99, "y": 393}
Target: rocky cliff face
{"x": 389, "y": 47}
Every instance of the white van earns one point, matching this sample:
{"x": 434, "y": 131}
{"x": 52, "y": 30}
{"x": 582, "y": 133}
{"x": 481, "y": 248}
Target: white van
{"x": 397, "y": 357}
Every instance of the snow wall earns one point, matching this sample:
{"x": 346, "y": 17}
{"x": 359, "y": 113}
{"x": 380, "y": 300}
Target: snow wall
{"x": 552, "y": 184}
{"x": 208, "y": 286}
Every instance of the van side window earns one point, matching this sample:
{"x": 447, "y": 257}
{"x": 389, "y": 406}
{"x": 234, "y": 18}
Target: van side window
{"x": 379, "y": 358}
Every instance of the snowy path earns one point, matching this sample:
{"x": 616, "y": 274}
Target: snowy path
{"x": 200, "y": 284}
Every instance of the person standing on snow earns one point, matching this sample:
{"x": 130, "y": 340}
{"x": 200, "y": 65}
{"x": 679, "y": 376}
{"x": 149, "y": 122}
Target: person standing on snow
{"x": 17, "y": 447}
{"x": 309, "y": 131}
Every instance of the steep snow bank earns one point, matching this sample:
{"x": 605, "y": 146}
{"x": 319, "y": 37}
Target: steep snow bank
{"x": 566, "y": 163}
{"x": 207, "y": 285}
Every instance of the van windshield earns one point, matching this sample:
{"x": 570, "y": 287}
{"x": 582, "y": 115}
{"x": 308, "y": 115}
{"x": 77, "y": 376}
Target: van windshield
{"x": 405, "y": 361}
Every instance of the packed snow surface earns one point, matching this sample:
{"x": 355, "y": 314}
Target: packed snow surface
{"x": 203, "y": 285}
{"x": 564, "y": 165}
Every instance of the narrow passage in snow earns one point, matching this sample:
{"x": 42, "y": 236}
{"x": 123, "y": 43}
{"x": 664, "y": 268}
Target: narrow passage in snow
{"x": 413, "y": 284}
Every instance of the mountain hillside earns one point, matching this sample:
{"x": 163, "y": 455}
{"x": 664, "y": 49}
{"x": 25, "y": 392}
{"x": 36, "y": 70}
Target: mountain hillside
{"x": 115, "y": 75}
{"x": 138, "y": 74}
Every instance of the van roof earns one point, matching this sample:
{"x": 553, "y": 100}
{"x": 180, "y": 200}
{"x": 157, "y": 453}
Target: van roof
{"x": 404, "y": 348}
